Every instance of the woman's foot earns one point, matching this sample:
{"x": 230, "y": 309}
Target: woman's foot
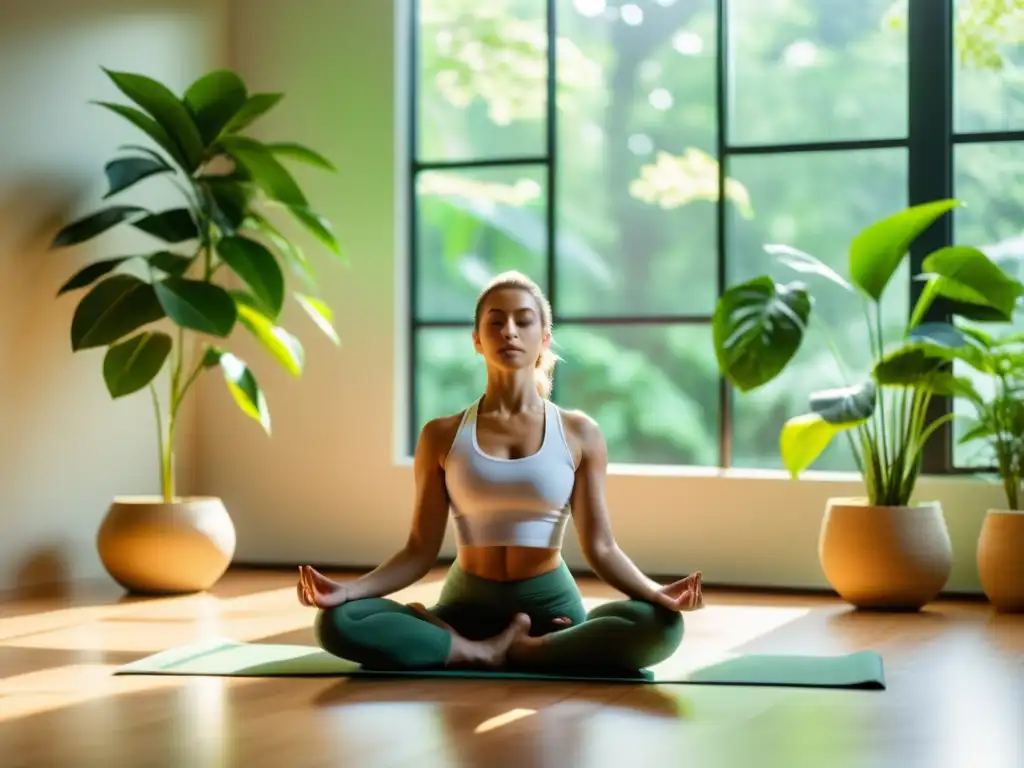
{"x": 525, "y": 650}
{"x": 490, "y": 653}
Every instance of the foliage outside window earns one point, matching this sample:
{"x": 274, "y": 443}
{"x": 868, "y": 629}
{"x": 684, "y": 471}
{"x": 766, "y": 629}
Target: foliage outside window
{"x": 811, "y": 127}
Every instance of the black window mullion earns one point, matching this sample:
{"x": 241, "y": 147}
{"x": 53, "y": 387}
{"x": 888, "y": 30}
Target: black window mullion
{"x": 722, "y": 152}
{"x": 930, "y": 172}
{"x": 551, "y": 137}
{"x": 412, "y": 235}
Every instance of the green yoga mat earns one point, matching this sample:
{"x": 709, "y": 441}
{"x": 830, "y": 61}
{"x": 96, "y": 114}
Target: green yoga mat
{"x": 227, "y": 658}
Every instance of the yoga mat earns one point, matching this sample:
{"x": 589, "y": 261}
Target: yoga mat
{"x": 221, "y": 657}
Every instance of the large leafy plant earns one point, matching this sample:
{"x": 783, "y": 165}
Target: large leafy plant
{"x": 217, "y": 236}
{"x": 999, "y": 418}
{"x": 760, "y": 324}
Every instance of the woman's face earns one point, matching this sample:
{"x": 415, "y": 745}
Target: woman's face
{"x": 511, "y": 332}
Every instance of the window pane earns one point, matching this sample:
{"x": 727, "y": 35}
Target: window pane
{"x": 653, "y": 389}
{"x": 987, "y": 178}
{"x": 449, "y": 374}
{"x": 472, "y": 225}
{"x": 816, "y": 70}
{"x": 816, "y": 202}
{"x": 483, "y": 79}
{"x": 989, "y": 66}
{"x": 637, "y": 179}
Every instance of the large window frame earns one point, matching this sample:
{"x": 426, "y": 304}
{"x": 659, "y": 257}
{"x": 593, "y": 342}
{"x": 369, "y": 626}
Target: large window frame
{"x": 929, "y": 143}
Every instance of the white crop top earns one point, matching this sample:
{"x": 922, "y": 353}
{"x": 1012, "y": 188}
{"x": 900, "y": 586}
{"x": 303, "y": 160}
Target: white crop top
{"x": 510, "y": 502}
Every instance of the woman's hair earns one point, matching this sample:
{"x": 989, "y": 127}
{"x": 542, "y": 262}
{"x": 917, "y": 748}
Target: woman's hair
{"x": 545, "y": 365}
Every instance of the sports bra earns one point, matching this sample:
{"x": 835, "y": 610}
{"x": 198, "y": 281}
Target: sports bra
{"x": 520, "y": 502}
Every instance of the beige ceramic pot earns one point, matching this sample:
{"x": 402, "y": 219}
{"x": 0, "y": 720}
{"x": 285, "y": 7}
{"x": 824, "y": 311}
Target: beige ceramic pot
{"x": 152, "y": 547}
{"x": 890, "y": 558}
{"x": 1001, "y": 559}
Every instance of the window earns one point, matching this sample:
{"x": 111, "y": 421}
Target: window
{"x": 639, "y": 164}
{"x": 988, "y": 144}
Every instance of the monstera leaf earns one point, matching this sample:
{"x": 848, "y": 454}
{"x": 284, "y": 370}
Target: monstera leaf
{"x": 758, "y": 327}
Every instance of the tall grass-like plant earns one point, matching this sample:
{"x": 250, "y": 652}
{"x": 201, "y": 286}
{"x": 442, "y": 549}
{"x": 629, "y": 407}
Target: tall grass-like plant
{"x": 999, "y": 418}
{"x": 759, "y": 325}
{"x": 220, "y": 227}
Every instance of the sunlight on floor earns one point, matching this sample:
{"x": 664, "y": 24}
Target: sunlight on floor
{"x": 503, "y": 719}
{"x": 143, "y": 627}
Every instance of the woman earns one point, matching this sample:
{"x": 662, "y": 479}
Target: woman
{"x": 510, "y": 468}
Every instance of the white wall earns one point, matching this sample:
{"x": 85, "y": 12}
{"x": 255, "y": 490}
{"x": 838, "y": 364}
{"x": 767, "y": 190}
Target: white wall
{"x": 65, "y": 447}
{"x": 328, "y": 488}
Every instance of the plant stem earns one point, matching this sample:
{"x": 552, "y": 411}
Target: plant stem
{"x": 881, "y": 394}
{"x": 166, "y": 481}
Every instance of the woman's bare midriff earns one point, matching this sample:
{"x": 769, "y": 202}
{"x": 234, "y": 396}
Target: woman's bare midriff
{"x": 508, "y": 563}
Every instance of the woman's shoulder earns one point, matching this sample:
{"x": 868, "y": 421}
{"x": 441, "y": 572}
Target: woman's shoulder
{"x": 582, "y": 432}
{"x": 438, "y": 434}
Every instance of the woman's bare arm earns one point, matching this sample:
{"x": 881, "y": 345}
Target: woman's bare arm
{"x": 592, "y": 521}
{"x": 430, "y": 517}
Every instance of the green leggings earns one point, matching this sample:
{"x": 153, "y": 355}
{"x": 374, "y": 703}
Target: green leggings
{"x": 384, "y": 634}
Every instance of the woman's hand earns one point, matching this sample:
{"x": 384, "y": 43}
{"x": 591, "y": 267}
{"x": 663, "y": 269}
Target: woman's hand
{"x": 687, "y": 594}
{"x": 316, "y": 590}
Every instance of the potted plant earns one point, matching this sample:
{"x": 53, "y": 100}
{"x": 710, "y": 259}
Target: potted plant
{"x": 886, "y": 549}
{"x": 999, "y": 426}
{"x": 215, "y": 266}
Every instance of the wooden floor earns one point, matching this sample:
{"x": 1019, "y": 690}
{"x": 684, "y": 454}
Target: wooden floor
{"x": 955, "y": 693}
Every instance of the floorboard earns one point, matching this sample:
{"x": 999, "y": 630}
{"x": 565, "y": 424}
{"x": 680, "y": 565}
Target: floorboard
{"x": 955, "y": 697}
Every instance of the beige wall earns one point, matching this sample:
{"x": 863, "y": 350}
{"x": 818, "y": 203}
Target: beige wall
{"x": 328, "y": 487}
{"x": 65, "y": 448}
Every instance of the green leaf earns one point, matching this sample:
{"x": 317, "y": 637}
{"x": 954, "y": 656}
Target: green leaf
{"x": 244, "y": 389}
{"x": 258, "y": 269}
{"x": 845, "y": 405}
{"x": 110, "y": 311}
{"x": 321, "y": 314}
{"x": 197, "y": 305}
{"x": 211, "y": 356}
{"x": 877, "y": 251}
{"x": 805, "y": 263}
{"x": 133, "y": 364}
{"x": 127, "y": 171}
{"x": 146, "y": 150}
{"x": 90, "y": 273}
{"x": 981, "y": 429}
{"x": 282, "y": 345}
{"x": 267, "y": 172}
{"x": 255, "y": 106}
{"x": 945, "y": 384}
{"x": 910, "y": 364}
{"x": 946, "y": 341}
{"x": 174, "y": 264}
{"x": 213, "y": 100}
{"x": 803, "y": 438}
{"x": 942, "y": 334}
{"x": 94, "y": 224}
{"x": 166, "y": 108}
{"x": 924, "y": 365}
{"x": 292, "y": 253}
{"x": 229, "y": 201}
{"x": 758, "y": 328}
{"x": 318, "y": 225}
{"x": 965, "y": 274}
{"x": 979, "y": 337}
{"x": 172, "y": 226}
{"x": 293, "y": 151}
{"x": 153, "y": 129}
